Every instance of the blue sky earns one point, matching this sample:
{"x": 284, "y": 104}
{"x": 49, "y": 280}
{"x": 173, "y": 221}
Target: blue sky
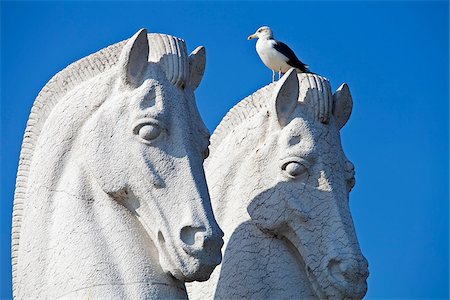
{"x": 394, "y": 56}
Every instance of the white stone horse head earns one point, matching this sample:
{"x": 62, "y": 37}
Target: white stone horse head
{"x": 277, "y": 164}
{"x": 111, "y": 197}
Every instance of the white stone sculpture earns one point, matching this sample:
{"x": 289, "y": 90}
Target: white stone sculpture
{"x": 111, "y": 200}
{"x": 279, "y": 184}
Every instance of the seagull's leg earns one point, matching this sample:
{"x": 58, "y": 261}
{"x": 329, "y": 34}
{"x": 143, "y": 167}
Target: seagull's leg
{"x": 279, "y": 74}
{"x": 273, "y": 76}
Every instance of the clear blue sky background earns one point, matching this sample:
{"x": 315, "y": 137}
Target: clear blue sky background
{"x": 394, "y": 56}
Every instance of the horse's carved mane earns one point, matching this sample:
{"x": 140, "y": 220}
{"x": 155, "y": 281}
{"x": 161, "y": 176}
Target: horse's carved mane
{"x": 63, "y": 82}
{"x": 258, "y": 101}
{"x": 245, "y": 109}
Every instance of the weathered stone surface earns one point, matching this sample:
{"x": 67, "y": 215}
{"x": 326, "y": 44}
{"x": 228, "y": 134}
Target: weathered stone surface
{"x": 279, "y": 183}
{"x": 111, "y": 199}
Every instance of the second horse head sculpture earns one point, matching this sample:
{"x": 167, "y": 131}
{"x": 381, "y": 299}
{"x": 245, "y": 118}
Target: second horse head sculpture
{"x": 279, "y": 183}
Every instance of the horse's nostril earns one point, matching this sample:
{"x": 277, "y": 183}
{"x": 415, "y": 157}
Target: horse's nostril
{"x": 344, "y": 270}
{"x": 161, "y": 237}
{"x": 335, "y": 269}
{"x": 192, "y": 235}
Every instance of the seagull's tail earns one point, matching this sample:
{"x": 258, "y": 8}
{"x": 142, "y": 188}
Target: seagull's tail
{"x": 303, "y": 68}
{"x": 309, "y": 71}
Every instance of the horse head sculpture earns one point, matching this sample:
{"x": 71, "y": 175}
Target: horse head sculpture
{"x": 146, "y": 152}
{"x": 308, "y": 180}
{"x": 111, "y": 198}
{"x": 277, "y": 164}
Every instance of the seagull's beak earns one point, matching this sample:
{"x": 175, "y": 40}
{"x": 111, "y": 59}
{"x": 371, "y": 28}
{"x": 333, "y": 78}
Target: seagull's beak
{"x": 253, "y": 36}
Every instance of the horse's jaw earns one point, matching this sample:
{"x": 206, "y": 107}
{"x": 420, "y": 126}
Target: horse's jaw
{"x": 175, "y": 258}
{"x": 321, "y": 233}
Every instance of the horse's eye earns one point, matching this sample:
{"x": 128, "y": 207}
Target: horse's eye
{"x": 294, "y": 169}
{"x": 147, "y": 129}
{"x": 149, "y": 132}
{"x": 351, "y": 183}
{"x": 206, "y": 153}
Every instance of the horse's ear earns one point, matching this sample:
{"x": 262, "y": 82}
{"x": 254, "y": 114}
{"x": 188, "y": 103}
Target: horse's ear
{"x": 133, "y": 58}
{"x": 197, "y": 64}
{"x": 342, "y": 105}
{"x": 286, "y": 96}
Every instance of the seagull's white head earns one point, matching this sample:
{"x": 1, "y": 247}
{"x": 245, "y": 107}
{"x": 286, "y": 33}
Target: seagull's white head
{"x": 263, "y": 32}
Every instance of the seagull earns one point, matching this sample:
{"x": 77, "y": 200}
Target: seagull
{"x": 276, "y": 55}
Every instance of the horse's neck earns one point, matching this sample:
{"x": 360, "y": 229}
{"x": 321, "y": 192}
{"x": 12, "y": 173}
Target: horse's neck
{"x": 226, "y": 174}
{"x": 96, "y": 247}
{"x": 256, "y": 265}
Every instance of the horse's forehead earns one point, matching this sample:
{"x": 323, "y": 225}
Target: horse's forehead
{"x": 157, "y": 97}
{"x": 303, "y": 129}
{"x": 157, "y": 92}
{"x": 299, "y": 126}
{"x": 309, "y": 134}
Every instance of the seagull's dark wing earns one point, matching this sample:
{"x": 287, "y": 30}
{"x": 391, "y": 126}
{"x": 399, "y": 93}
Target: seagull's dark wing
{"x": 293, "y": 60}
